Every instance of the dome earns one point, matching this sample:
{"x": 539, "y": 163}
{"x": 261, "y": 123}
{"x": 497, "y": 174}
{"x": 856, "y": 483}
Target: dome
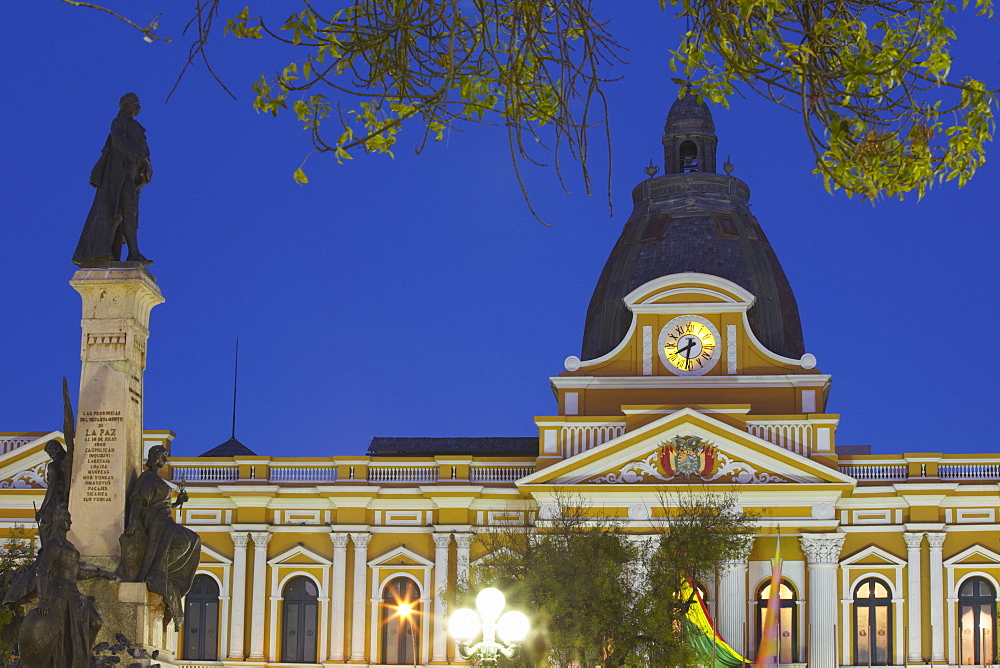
{"x": 688, "y": 114}
{"x": 692, "y": 219}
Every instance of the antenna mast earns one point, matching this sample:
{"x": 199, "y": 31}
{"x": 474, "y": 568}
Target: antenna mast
{"x": 236, "y": 370}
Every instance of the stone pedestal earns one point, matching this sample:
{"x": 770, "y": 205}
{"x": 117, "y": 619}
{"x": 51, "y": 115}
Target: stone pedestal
{"x": 128, "y": 608}
{"x": 117, "y": 300}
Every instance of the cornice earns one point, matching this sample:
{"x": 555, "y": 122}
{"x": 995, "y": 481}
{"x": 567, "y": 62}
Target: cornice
{"x": 687, "y": 382}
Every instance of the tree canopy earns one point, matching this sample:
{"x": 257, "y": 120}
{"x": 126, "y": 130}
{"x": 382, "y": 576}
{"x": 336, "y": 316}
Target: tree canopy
{"x": 870, "y": 80}
{"x": 599, "y": 595}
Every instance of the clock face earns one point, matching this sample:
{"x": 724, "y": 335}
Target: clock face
{"x": 689, "y": 345}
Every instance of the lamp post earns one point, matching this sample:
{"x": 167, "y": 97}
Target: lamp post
{"x": 464, "y": 625}
{"x": 405, "y": 610}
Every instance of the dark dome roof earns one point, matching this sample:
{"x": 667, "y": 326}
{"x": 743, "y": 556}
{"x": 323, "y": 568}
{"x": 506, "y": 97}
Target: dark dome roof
{"x": 231, "y": 448}
{"x": 695, "y": 221}
{"x": 689, "y": 115}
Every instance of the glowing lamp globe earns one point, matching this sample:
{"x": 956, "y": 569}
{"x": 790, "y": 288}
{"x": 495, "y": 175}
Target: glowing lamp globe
{"x": 404, "y": 609}
{"x": 490, "y": 602}
{"x": 463, "y": 624}
{"x": 513, "y": 626}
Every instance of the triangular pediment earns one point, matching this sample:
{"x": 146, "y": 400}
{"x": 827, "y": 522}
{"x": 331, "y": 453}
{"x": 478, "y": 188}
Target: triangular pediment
{"x": 210, "y": 557}
{"x": 977, "y": 555}
{"x": 299, "y": 556}
{"x": 400, "y": 556}
{"x": 686, "y": 447}
{"x": 873, "y": 556}
{"x": 24, "y": 466}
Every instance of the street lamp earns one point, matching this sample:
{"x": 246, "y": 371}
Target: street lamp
{"x": 406, "y": 611}
{"x": 464, "y": 625}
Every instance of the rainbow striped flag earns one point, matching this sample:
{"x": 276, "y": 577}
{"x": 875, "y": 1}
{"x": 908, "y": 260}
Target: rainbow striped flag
{"x": 703, "y": 636}
{"x": 769, "y": 648}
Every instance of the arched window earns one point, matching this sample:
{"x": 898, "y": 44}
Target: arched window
{"x": 689, "y": 157}
{"x": 298, "y": 620}
{"x": 788, "y": 620}
{"x": 400, "y": 622}
{"x": 705, "y": 595}
{"x": 201, "y": 620}
{"x": 872, "y": 623}
{"x": 977, "y": 621}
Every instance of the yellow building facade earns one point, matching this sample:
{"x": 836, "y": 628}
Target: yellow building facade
{"x": 692, "y": 376}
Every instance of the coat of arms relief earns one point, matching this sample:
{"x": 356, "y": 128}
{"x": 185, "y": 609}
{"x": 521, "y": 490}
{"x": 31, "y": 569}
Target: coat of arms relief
{"x": 687, "y": 457}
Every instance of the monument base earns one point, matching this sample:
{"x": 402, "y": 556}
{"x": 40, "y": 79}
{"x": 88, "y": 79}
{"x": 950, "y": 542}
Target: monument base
{"x": 128, "y": 608}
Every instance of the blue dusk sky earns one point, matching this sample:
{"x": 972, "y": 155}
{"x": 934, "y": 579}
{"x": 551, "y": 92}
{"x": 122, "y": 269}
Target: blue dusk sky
{"x": 417, "y": 296}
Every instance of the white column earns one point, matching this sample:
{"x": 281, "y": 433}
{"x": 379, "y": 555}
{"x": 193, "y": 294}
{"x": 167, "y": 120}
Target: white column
{"x": 440, "y": 641}
{"x": 823, "y": 554}
{"x": 464, "y": 541}
{"x": 338, "y": 586}
{"x": 237, "y": 613}
{"x": 259, "y": 599}
{"x": 361, "y": 541}
{"x": 936, "y": 586}
{"x": 913, "y": 542}
{"x": 731, "y": 611}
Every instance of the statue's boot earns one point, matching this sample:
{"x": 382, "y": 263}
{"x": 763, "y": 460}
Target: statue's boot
{"x": 140, "y": 258}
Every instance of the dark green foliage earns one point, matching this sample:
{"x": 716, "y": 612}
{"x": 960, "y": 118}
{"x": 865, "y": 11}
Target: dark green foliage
{"x": 15, "y": 553}
{"x": 600, "y": 596}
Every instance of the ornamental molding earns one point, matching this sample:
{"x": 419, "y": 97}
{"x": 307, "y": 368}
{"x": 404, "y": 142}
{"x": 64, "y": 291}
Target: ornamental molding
{"x": 824, "y": 511}
{"x": 240, "y": 539}
{"x": 688, "y": 457}
{"x": 639, "y": 511}
{"x": 647, "y": 350}
{"x": 822, "y": 549}
{"x": 32, "y": 478}
{"x": 361, "y": 540}
{"x": 261, "y": 538}
{"x": 731, "y": 349}
{"x": 936, "y": 540}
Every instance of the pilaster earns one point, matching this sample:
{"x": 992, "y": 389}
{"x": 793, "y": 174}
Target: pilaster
{"x": 440, "y": 641}
{"x": 936, "y": 587}
{"x": 823, "y": 555}
{"x": 117, "y": 301}
{"x": 260, "y": 541}
{"x": 913, "y": 622}
{"x": 338, "y": 587}
{"x": 732, "y": 600}
{"x": 238, "y": 612}
{"x": 360, "y": 541}
{"x": 464, "y": 542}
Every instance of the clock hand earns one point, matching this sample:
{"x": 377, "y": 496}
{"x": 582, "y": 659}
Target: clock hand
{"x": 685, "y": 349}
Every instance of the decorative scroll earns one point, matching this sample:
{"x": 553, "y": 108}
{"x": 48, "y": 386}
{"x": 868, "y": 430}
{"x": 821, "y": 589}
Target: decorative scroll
{"x": 688, "y": 457}
{"x": 33, "y": 478}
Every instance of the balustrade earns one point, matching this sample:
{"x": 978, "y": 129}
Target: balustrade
{"x": 968, "y": 471}
{"x": 499, "y": 474}
{"x": 794, "y": 435}
{"x": 890, "y": 472}
{"x": 12, "y": 443}
{"x": 391, "y": 474}
{"x": 302, "y": 474}
{"x": 205, "y": 473}
{"x": 577, "y": 438}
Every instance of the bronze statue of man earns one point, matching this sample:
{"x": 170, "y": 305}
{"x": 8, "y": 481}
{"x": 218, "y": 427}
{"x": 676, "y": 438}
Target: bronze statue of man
{"x": 122, "y": 170}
